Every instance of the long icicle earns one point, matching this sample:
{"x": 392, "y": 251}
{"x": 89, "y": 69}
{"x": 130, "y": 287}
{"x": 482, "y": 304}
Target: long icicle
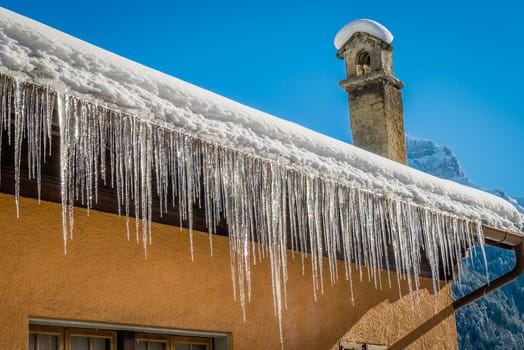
{"x": 261, "y": 200}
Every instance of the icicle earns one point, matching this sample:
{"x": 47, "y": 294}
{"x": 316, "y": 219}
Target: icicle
{"x": 5, "y": 112}
{"x": 28, "y": 108}
{"x": 61, "y": 109}
{"x": 19, "y": 110}
{"x": 268, "y": 207}
{"x": 480, "y": 239}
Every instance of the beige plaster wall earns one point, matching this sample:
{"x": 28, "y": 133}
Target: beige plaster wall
{"x": 106, "y": 278}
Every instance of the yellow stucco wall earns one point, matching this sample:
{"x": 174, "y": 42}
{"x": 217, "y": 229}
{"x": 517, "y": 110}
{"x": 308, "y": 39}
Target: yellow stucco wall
{"x": 106, "y": 278}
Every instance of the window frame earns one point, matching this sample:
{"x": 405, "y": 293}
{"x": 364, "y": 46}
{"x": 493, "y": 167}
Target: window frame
{"x": 159, "y": 338}
{"x": 64, "y": 335}
{"x": 91, "y": 333}
{"x": 191, "y": 340}
{"x": 58, "y": 331}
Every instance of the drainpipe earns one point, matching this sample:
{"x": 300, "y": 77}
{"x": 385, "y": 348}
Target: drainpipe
{"x": 494, "y": 237}
{"x": 505, "y": 240}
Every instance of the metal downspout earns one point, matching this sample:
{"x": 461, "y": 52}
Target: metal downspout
{"x": 494, "y": 237}
{"x": 508, "y": 243}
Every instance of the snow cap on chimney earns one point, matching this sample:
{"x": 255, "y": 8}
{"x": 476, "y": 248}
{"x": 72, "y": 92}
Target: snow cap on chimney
{"x": 362, "y": 25}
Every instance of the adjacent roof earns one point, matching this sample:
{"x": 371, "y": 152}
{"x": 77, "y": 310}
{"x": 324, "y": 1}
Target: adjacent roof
{"x": 38, "y": 53}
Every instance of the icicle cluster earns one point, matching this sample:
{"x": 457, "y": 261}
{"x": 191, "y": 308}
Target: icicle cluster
{"x": 268, "y": 207}
{"x": 26, "y": 111}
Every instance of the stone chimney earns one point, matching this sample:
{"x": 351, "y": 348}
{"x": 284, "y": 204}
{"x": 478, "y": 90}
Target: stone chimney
{"x": 375, "y": 99}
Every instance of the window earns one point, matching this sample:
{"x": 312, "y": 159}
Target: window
{"x": 88, "y": 339}
{"x": 151, "y": 342}
{"x": 46, "y": 338}
{"x": 190, "y": 343}
{"x": 60, "y": 338}
{"x": 159, "y": 342}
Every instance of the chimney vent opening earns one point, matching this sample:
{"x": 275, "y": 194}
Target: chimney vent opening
{"x": 363, "y": 63}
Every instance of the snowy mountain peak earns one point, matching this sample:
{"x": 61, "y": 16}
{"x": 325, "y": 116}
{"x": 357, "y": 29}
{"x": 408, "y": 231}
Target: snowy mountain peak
{"x": 438, "y": 160}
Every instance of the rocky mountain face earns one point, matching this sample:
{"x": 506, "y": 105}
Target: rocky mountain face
{"x": 497, "y": 320}
{"x": 437, "y": 160}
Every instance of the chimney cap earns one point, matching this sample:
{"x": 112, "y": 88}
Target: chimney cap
{"x": 362, "y": 25}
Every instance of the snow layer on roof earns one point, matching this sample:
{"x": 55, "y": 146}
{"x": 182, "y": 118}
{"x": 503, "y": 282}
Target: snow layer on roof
{"x": 36, "y": 52}
{"x": 362, "y": 25}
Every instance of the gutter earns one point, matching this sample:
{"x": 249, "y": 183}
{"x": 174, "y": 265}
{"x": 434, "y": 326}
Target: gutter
{"x": 500, "y": 239}
{"x": 494, "y": 237}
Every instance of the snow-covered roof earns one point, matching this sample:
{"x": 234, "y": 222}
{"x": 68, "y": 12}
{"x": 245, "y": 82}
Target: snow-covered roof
{"x": 267, "y": 177}
{"x": 36, "y": 52}
{"x": 362, "y": 25}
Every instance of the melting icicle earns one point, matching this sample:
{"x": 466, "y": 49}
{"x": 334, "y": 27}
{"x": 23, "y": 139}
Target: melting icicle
{"x": 29, "y": 109}
{"x": 63, "y": 165}
{"x": 261, "y": 201}
{"x": 268, "y": 207}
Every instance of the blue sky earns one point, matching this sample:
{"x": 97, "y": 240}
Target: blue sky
{"x": 460, "y": 61}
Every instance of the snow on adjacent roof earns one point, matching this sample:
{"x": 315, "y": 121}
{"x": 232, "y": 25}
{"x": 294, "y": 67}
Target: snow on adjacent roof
{"x": 36, "y": 52}
{"x": 362, "y": 25}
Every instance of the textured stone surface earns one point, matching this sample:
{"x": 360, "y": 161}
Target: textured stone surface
{"x": 375, "y": 100}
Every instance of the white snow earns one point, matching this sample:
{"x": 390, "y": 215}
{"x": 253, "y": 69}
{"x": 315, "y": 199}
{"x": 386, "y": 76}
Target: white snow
{"x": 35, "y": 52}
{"x": 365, "y": 26}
